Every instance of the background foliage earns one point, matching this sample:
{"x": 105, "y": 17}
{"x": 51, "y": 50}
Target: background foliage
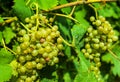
{"x": 73, "y": 66}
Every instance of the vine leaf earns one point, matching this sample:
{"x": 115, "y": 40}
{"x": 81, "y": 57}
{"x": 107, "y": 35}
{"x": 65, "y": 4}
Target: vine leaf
{"x": 8, "y": 34}
{"x": 66, "y": 10}
{"x": 85, "y": 77}
{"x": 47, "y": 4}
{"x": 110, "y": 59}
{"x": 5, "y": 69}
{"x": 5, "y": 72}
{"x": 80, "y": 16}
{"x": 46, "y": 80}
{"x": 1, "y": 20}
{"x": 21, "y": 10}
{"x": 1, "y": 36}
{"x": 78, "y": 32}
{"x": 67, "y": 77}
{"x": 5, "y": 56}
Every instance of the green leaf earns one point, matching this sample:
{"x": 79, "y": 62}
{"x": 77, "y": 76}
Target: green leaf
{"x": 5, "y": 56}
{"x": 1, "y": 20}
{"x": 82, "y": 64}
{"x": 78, "y": 32}
{"x": 8, "y": 34}
{"x": 46, "y": 80}
{"x": 47, "y": 4}
{"x": 85, "y": 77}
{"x": 80, "y": 16}
{"x": 5, "y": 72}
{"x": 66, "y": 10}
{"x": 110, "y": 58}
{"x": 67, "y": 77}
{"x": 21, "y": 10}
{"x": 1, "y": 36}
{"x": 68, "y": 51}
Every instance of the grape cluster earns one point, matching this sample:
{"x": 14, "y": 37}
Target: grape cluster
{"x": 99, "y": 38}
{"x": 40, "y": 44}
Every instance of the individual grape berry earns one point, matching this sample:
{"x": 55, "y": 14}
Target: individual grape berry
{"x": 29, "y": 65}
{"x": 98, "y": 22}
{"x": 92, "y": 18}
{"x": 27, "y": 20}
{"x": 39, "y": 66}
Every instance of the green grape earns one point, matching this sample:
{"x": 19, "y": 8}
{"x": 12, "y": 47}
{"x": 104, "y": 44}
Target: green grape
{"x": 60, "y": 46}
{"x": 29, "y": 65}
{"x": 90, "y": 57}
{"x": 48, "y": 30}
{"x": 22, "y": 69}
{"x": 42, "y": 61}
{"x": 90, "y": 29}
{"x": 54, "y": 28}
{"x": 34, "y": 77}
{"x": 109, "y": 40}
{"x": 53, "y": 34}
{"x": 22, "y": 59}
{"x": 22, "y": 32}
{"x": 98, "y": 64}
{"x": 59, "y": 40}
{"x": 96, "y": 46}
{"x": 38, "y": 46}
{"x": 87, "y": 39}
{"x": 41, "y": 50}
{"x": 91, "y": 35}
{"x": 87, "y": 55}
{"x": 55, "y": 60}
{"x": 26, "y": 37}
{"x": 83, "y": 50}
{"x": 98, "y": 22}
{"x": 34, "y": 64}
{"x": 37, "y": 60}
{"x": 27, "y": 20}
{"x": 57, "y": 33}
{"x": 54, "y": 53}
{"x": 48, "y": 49}
{"x": 87, "y": 46}
{"x": 18, "y": 50}
{"x": 38, "y": 34}
{"x": 97, "y": 54}
{"x": 45, "y": 54}
{"x": 114, "y": 38}
{"x": 28, "y": 57}
{"x": 48, "y": 38}
{"x": 92, "y": 18}
{"x": 94, "y": 32}
{"x": 28, "y": 79}
{"x": 39, "y": 66}
{"x": 101, "y": 18}
{"x": 89, "y": 50}
{"x": 95, "y": 40}
{"x": 101, "y": 44}
{"x": 97, "y": 59}
{"x": 34, "y": 52}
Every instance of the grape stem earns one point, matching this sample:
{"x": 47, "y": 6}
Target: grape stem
{"x": 25, "y": 27}
{"x": 113, "y": 54}
{"x": 3, "y": 42}
{"x": 66, "y": 42}
{"x": 78, "y": 2}
{"x": 96, "y": 14}
{"x": 67, "y": 16}
{"x": 73, "y": 9}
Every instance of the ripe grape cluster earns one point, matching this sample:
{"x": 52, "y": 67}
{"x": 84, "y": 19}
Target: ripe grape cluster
{"x": 39, "y": 45}
{"x": 99, "y": 38}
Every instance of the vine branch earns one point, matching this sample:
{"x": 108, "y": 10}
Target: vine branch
{"x": 80, "y": 2}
